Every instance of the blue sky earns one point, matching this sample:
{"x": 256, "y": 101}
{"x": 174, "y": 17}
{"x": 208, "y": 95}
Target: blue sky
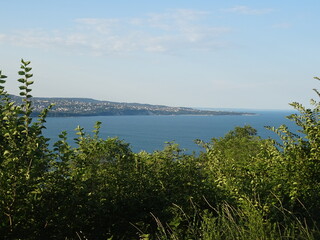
{"x": 219, "y": 54}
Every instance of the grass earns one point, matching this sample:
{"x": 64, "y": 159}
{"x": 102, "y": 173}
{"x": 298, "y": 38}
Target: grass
{"x": 243, "y": 223}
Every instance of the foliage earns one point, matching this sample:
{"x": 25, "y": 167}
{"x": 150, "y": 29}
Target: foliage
{"x": 227, "y": 222}
{"x": 240, "y": 187}
{"x": 25, "y": 160}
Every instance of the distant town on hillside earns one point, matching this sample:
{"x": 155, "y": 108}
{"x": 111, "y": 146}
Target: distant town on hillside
{"x": 68, "y": 107}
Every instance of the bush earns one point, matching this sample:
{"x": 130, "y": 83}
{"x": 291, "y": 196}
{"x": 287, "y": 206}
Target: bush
{"x": 239, "y": 187}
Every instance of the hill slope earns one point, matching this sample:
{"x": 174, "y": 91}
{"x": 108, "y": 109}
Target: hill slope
{"x": 64, "y": 107}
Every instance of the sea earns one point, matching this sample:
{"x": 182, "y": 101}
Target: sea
{"x": 151, "y": 133}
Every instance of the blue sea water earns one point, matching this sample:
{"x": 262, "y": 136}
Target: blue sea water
{"x": 150, "y": 133}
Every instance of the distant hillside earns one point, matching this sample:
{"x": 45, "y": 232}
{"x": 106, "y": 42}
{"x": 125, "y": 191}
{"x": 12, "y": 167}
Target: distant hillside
{"x": 65, "y": 107}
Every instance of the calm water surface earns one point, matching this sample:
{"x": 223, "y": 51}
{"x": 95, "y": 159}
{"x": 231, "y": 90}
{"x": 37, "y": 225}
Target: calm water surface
{"x": 150, "y": 133}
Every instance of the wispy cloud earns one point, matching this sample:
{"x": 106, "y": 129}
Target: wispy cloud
{"x": 104, "y": 26}
{"x": 2, "y": 36}
{"x": 241, "y": 9}
{"x": 171, "y": 31}
{"x": 282, "y": 25}
{"x": 175, "y": 20}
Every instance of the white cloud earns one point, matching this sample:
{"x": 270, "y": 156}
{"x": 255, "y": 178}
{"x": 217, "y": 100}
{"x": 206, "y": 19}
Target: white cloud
{"x": 104, "y": 26}
{"x": 248, "y": 11}
{"x": 171, "y": 31}
{"x": 282, "y": 25}
{"x": 136, "y": 21}
{"x": 155, "y": 48}
{"x": 2, "y": 37}
{"x": 174, "y": 20}
{"x": 35, "y": 38}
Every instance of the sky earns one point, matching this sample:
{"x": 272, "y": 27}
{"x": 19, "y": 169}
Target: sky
{"x": 209, "y": 53}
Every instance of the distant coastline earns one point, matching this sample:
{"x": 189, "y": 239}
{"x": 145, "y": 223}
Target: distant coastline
{"x": 82, "y": 107}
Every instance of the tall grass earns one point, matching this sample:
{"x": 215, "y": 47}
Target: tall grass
{"x": 242, "y": 223}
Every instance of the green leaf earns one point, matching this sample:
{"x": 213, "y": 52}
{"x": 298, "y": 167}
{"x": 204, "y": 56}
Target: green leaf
{"x": 29, "y": 75}
{"x": 26, "y": 63}
{"x": 2, "y": 81}
{"x": 22, "y": 94}
{"x": 6, "y": 152}
{"x": 29, "y": 83}
{"x": 22, "y": 87}
{"x": 21, "y": 73}
{"x": 3, "y": 76}
{"x": 22, "y": 80}
{"x": 78, "y": 128}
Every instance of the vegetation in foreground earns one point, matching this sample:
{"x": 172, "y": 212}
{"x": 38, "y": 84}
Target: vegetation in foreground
{"x": 239, "y": 187}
